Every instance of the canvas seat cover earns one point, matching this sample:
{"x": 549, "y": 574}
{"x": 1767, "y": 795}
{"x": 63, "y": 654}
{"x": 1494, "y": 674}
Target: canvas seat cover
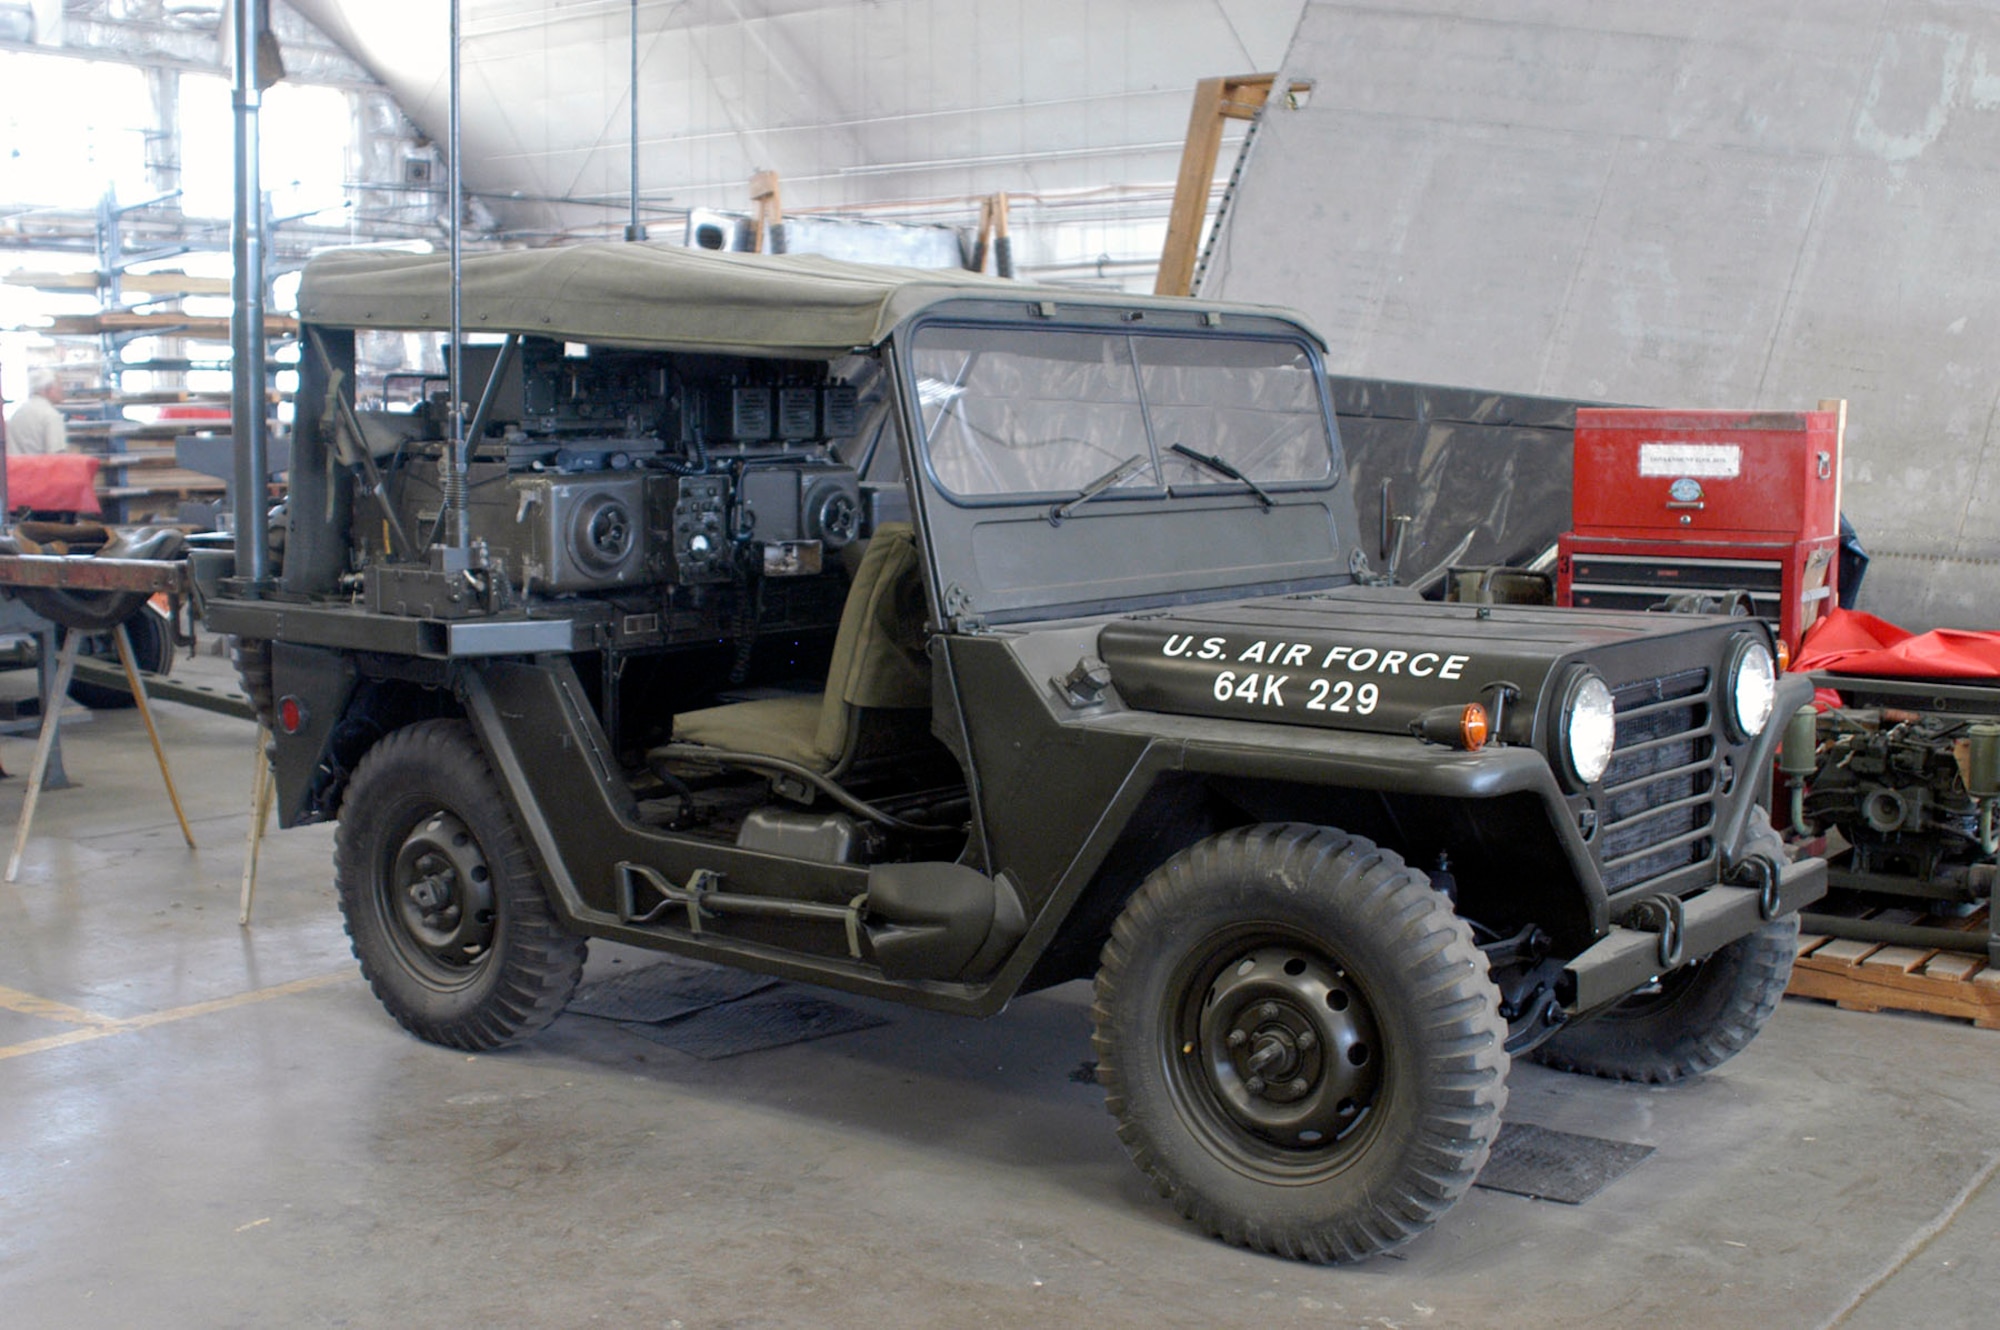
{"x": 879, "y": 676}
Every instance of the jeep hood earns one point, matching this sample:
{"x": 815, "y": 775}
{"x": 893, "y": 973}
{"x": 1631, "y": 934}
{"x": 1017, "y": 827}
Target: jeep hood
{"x": 1365, "y": 659}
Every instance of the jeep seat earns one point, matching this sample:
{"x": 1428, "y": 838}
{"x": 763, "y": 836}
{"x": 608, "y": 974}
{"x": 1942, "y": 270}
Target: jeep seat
{"x": 878, "y": 688}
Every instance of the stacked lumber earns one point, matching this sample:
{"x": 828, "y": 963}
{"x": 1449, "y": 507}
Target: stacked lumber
{"x": 141, "y": 283}
{"x": 151, "y": 459}
{"x": 85, "y": 431}
{"x": 139, "y": 470}
{"x": 171, "y": 482}
{"x": 1874, "y": 976}
{"x": 166, "y": 323}
{"x": 156, "y": 397}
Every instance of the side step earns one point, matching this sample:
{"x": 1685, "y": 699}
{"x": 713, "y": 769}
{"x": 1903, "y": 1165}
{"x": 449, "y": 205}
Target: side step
{"x": 915, "y": 920}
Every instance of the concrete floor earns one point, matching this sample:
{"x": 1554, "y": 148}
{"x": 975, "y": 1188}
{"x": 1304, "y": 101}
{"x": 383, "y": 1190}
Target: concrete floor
{"x": 202, "y": 1125}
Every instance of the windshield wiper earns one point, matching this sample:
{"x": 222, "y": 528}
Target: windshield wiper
{"x": 1220, "y": 467}
{"x": 1096, "y": 487}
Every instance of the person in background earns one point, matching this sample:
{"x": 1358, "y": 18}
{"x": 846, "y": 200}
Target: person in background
{"x": 36, "y": 426}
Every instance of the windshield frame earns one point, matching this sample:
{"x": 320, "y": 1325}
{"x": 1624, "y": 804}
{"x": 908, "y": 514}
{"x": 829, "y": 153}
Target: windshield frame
{"x": 1160, "y": 491}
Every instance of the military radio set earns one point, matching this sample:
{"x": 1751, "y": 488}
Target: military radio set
{"x": 620, "y": 469}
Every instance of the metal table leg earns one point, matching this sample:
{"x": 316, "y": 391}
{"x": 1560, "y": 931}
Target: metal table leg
{"x": 51, "y": 719}
{"x": 53, "y": 699}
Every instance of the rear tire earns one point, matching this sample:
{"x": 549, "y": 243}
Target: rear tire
{"x": 1299, "y": 1041}
{"x": 1703, "y": 1015}
{"x": 447, "y": 915}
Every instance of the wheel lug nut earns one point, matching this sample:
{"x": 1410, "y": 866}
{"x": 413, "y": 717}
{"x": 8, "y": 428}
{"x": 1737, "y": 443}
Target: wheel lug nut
{"x": 1269, "y": 1011}
{"x": 1299, "y": 1085}
{"x": 1255, "y": 1085}
{"x": 1237, "y": 1039}
{"x": 1306, "y": 1039}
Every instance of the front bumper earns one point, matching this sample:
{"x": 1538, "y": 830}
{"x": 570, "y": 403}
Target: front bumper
{"x": 1630, "y": 958}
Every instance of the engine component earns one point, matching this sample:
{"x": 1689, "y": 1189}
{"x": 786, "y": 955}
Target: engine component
{"x": 1799, "y": 755}
{"x": 1894, "y": 784}
{"x": 1982, "y": 763}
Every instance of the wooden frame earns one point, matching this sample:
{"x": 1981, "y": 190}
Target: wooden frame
{"x": 1232, "y": 97}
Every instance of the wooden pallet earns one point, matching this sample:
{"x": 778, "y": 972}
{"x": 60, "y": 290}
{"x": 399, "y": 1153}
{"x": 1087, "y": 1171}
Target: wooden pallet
{"x": 1873, "y": 976}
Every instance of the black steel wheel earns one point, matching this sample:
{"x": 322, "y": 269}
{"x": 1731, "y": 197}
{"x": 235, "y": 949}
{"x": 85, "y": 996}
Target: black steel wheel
{"x": 1300, "y": 1043}
{"x": 152, "y": 638}
{"x": 1697, "y": 1017}
{"x": 443, "y": 905}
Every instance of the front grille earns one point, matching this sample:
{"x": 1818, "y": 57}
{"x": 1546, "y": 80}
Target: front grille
{"x": 1658, "y": 802}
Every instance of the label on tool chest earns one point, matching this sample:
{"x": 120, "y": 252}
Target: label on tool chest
{"x": 1709, "y": 461}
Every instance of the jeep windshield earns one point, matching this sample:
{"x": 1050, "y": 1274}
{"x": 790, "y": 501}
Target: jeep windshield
{"x": 1075, "y": 469}
{"x": 1012, "y": 412}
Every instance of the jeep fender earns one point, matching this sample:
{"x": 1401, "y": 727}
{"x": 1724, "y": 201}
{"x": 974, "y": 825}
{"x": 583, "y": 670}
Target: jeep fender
{"x": 1059, "y": 787}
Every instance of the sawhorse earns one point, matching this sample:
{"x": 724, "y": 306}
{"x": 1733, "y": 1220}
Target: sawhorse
{"x": 55, "y": 689}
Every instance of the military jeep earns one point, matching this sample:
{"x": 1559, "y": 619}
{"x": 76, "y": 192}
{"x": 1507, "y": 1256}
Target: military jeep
{"x": 941, "y": 639}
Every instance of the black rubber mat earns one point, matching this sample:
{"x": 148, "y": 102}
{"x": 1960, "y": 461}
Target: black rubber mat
{"x": 771, "y": 1019}
{"x": 1557, "y": 1165}
{"x": 665, "y": 991}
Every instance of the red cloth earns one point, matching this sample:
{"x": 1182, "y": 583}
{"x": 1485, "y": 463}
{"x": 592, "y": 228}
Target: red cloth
{"x": 1850, "y": 642}
{"x": 53, "y": 482}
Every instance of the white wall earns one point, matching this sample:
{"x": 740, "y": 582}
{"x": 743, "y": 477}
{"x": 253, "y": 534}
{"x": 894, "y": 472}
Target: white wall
{"x": 1730, "y": 203}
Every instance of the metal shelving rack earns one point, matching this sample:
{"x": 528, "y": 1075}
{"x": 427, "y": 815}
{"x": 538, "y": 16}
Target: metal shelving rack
{"x": 137, "y": 478}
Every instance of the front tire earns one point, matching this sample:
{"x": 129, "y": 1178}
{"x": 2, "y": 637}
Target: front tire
{"x": 1300, "y": 1043}
{"x": 443, "y": 905}
{"x": 1703, "y": 1014}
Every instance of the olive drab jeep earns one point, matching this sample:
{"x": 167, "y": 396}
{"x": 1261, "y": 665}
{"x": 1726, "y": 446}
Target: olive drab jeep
{"x": 940, "y": 638}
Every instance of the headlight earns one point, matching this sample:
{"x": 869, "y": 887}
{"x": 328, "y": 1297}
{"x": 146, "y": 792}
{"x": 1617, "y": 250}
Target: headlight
{"x": 1753, "y": 687}
{"x": 1586, "y": 729}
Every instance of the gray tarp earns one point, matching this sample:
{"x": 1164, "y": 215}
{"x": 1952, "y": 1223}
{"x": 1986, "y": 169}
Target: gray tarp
{"x": 661, "y": 296}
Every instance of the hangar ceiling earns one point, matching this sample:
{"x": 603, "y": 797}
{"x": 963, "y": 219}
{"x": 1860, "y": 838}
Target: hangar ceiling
{"x": 853, "y": 102}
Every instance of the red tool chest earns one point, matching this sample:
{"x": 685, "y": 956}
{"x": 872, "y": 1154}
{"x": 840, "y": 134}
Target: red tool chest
{"x": 1710, "y": 501}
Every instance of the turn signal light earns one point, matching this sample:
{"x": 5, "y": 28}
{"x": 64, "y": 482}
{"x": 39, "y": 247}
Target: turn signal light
{"x": 1467, "y": 727}
{"x": 1473, "y": 728}
{"x": 1784, "y": 656}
